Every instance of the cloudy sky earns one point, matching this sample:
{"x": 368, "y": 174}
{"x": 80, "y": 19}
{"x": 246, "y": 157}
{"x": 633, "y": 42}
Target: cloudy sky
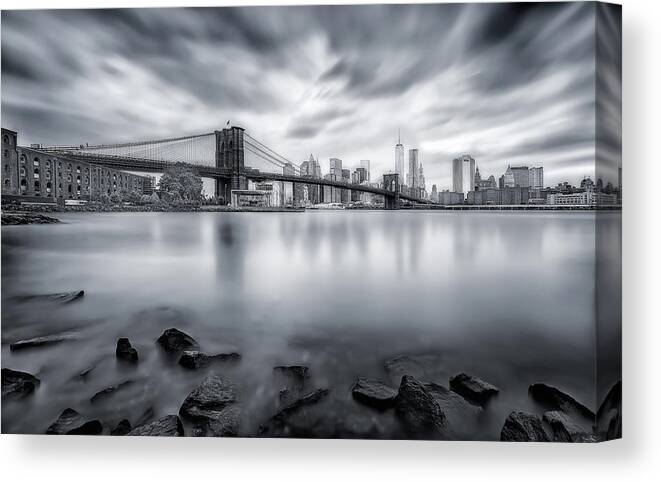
{"x": 507, "y": 83}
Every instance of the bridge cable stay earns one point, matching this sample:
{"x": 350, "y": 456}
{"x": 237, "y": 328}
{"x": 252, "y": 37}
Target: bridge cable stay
{"x": 249, "y": 140}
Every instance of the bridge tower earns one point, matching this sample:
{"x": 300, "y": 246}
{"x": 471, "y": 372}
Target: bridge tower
{"x": 391, "y": 183}
{"x": 230, "y": 155}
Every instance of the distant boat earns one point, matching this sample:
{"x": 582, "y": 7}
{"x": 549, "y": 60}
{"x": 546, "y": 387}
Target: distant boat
{"x": 328, "y": 206}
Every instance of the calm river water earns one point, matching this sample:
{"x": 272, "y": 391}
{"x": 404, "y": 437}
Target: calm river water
{"x": 506, "y": 296}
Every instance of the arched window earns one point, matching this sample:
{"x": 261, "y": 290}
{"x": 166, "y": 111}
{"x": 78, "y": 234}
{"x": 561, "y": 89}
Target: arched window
{"x": 47, "y": 175}
{"x": 24, "y": 185}
{"x": 5, "y": 139}
{"x": 23, "y": 159}
{"x": 78, "y": 179}
{"x": 77, "y": 169}
{"x": 37, "y": 186}
{"x": 59, "y": 164}
{"x": 35, "y": 161}
{"x": 69, "y": 189}
{"x": 36, "y": 173}
{"x": 69, "y": 167}
{"x": 69, "y": 178}
{"x": 22, "y": 171}
{"x": 7, "y": 183}
{"x": 48, "y": 187}
{"x": 48, "y": 163}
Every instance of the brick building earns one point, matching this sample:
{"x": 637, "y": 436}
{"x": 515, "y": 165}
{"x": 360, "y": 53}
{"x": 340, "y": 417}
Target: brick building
{"x": 35, "y": 174}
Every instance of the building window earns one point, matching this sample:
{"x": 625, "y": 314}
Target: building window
{"x": 48, "y": 187}
{"x": 35, "y": 162}
{"x": 22, "y": 171}
{"x": 68, "y": 167}
{"x": 48, "y": 163}
{"x": 36, "y": 173}
{"x": 77, "y": 169}
{"x": 69, "y": 178}
{"x": 69, "y": 189}
{"x": 37, "y": 186}
{"x": 59, "y": 164}
{"x": 24, "y": 185}
{"x": 6, "y": 154}
{"x": 7, "y": 183}
{"x": 5, "y": 139}
{"x": 47, "y": 175}
{"x": 23, "y": 159}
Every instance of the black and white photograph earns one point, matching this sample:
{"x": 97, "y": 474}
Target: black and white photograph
{"x": 375, "y": 221}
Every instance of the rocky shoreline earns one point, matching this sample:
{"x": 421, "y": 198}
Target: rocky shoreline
{"x": 22, "y": 218}
{"x": 422, "y": 407}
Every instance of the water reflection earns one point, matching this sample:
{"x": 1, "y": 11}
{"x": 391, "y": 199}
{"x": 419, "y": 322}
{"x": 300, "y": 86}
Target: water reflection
{"x": 509, "y": 296}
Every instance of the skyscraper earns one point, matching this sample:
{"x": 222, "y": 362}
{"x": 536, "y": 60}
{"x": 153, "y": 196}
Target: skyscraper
{"x": 365, "y": 164}
{"x": 458, "y": 173}
{"x": 518, "y": 176}
{"x": 412, "y": 176}
{"x": 536, "y": 177}
{"x": 335, "y": 166}
{"x": 399, "y": 159}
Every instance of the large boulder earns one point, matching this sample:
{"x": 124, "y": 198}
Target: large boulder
{"x": 417, "y": 408}
{"x": 70, "y": 422}
{"x": 173, "y": 341}
{"x": 168, "y": 426}
{"x": 472, "y": 388}
{"x": 555, "y": 400}
{"x": 566, "y": 429}
{"x": 462, "y": 416}
{"x": 111, "y": 390}
{"x": 194, "y": 359}
{"x": 40, "y": 341}
{"x": 523, "y": 427}
{"x": 609, "y": 415}
{"x": 374, "y": 393}
{"x": 17, "y": 385}
{"x": 125, "y": 352}
{"x": 299, "y": 419}
{"x": 213, "y": 408}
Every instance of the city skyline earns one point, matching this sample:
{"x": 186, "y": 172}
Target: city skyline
{"x": 320, "y": 86}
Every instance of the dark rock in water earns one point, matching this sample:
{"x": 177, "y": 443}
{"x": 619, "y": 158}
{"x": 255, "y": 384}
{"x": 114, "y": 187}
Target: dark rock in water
{"x": 426, "y": 367}
{"x": 566, "y": 429}
{"x": 553, "y": 399}
{"x": 461, "y": 415}
{"x": 523, "y": 427}
{"x": 609, "y": 415}
{"x": 43, "y": 341}
{"x": 125, "y": 351}
{"x": 194, "y": 359}
{"x": 82, "y": 375}
{"x": 472, "y": 388}
{"x": 417, "y": 408}
{"x": 106, "y": 392}
{"x": 123, "y": 427}
{"x": 173, "y": 340}
{"x": 71, "y": 422}
{"x": 297, "y": 373}
{"x": 213, "y": 407}
{"x": 374, "y": 393}
{"x": 146, "y": 417}
{"x": 16, "y": 219}
{"x": 17, "y": 385}
{"x": 295, "y": 419}
{"x": 63, "y": 298}
{"x": 168, "y": 426}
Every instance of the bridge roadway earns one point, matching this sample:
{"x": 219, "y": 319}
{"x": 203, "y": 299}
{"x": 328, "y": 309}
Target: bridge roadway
{"x": 149, "y": 165}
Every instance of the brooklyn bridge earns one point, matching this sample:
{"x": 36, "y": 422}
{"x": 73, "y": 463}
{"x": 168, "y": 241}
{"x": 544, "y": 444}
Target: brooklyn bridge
{"x": 223, "y": 155}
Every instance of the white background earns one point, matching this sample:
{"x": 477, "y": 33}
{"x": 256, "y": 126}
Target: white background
{"x": 636, "y": 457}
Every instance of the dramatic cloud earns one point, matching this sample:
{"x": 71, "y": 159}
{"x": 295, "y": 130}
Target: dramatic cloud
{"x": 508, "y": 83}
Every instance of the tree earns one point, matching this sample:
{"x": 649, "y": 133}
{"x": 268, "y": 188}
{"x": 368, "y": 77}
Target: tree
{"x": 180, "y": 182}
{"x": 115, "y": 198}
{"x": 104, "y": 198}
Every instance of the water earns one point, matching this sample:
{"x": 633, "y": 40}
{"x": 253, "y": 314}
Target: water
{"x": 506, "y": 296}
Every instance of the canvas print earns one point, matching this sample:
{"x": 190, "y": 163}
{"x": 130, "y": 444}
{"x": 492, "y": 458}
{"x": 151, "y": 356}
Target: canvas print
{"x": 354, "y": 221}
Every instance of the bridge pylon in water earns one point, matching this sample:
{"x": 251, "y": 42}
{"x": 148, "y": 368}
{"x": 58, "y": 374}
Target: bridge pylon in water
{"x": 230, "y": 155}
{"x": 391, "y": 183}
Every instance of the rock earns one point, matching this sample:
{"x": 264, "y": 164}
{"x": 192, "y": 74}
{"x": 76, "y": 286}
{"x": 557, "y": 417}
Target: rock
{"x": 295, "y": 420}
{"x": 82, "y": 375}
{"x": 297, "y": 373}
{"x": 461, "y": 415}
{"x": 417, "y": 408}
{"x": 194, "y": 359}
{"x": 173, "y": 340}
{"x": 168, "y": 426}
{"x": 123, "y": 427}
{"x": 472, "y": 388}
{"x": 17, "y": 385}
{"x": 106, "y": 392}
{"x": 146, "y": 417}
{"x": 609, "y": 415}
{"x": 553, "y": 399}
{"x": 16, "y": 219}
{"x": 523, "y": 427}
{"x": 374, "y": 393}
{"x": 427, "y": 367}
{"x": 43, "y": 341}
{"x": 213, "y": 407}
{"x": 71, "y": 422}
{"x": 566, "y": 429}
{"x": 125, "y": 351}
{"x": 62, "y": 298}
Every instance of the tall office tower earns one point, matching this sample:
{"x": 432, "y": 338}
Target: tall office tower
{"x": 421, "y": 178}
{"x": 518, "y": 176}
{"x": 399, "y": 159}
{"x": 335, "y": 175}
{"x": 305, "y": 168}
{"x": 365, "y": 164}
{"x": 412, "y": 179}
{"x": 434, "y": 193}
{"x": 458, "y": 173}
{"x": 536, "y": 175}
{"x": 362, "y": 175}
{"x": 345, "y": 195}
